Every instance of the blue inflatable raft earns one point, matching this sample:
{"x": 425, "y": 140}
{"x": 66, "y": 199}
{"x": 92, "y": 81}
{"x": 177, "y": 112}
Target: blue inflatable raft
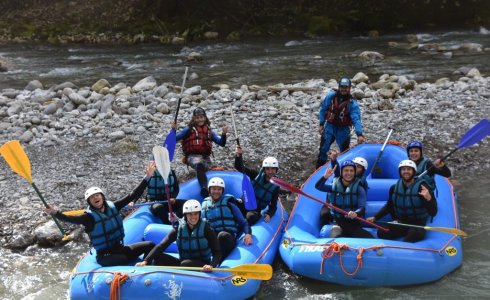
{"x": 91, "y": 281}
{"x": 308, "y": 251}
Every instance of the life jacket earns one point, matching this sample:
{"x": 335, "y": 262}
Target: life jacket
{"x": 192, "y": 244}
{"x": 344, "y": 197}
{"x": 338, "y": 112}
{"x": 363, "y": 182}
{"x": 407, "y": 201}
{"x": 198, "y": 141}
{"x": 263, "y": 190}
{"x": 108, "y": 228}
{"x": 219, "y": 214}
{"x": 156, "y": 186}
{"x": 421, "y": 167}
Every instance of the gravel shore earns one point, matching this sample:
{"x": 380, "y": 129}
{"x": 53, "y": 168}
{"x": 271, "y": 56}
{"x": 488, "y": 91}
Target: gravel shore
{"x": 103, "y": 135}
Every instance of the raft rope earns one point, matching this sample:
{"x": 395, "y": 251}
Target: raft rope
{"x": 335, "y": 248}
{"x": 117, "y": 281}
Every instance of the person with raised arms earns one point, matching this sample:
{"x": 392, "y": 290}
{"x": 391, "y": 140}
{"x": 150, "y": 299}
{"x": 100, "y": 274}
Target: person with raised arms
{"x": 346, "y": 193}
{"x": 339, "y": 111}
{"x": 104, "y": 224}
{"x": 196, "y": 241}
{"x": 410, "y": 201}
{"x": 266, "y": 193}
{"x": 415, "y": 153}
{"x": 197, "y": 144}
{"x": 224, "y": 216}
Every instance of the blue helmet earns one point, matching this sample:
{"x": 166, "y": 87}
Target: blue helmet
{"x": 347, "y": 163}
{"x": 344, "y": 81}
{"x": 415, "y": 144}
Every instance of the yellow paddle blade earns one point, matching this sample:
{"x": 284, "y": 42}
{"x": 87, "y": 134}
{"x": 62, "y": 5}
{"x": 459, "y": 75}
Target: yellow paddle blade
{"x": 447, "y": 229}
{"x": 249, "y": 271}
{"x": 17, "y": 159}
{"x": 74, "y": 212}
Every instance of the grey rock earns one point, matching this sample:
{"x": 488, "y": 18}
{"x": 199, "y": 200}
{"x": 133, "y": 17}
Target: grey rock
{"x": 117, "y": 135}
{"x": 101, "y": 83}
{"x": 26, "y": 137}
{"x": 145, "y": 84}
{"x": 64, "y": 85}
{"x": 33, "y": 85}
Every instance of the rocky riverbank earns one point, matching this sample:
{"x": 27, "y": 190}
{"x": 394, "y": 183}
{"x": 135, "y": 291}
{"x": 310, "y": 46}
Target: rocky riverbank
{"x": 102, "y": 135}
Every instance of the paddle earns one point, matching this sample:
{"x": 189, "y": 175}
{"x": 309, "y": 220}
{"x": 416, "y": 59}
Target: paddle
{"x": 475, "y": 134}
{"x": 380, "y": 152}
{"x": 247, "y": 188}
{"x": 19, "y": 162}
{"x": 162, "y": 160}
{"x": 81, "y": 211}
{"x": 249, "y": 271}
{"x": 171, "y": 140}
{"x": 441, "y": 229}
{"x": 287, "y": 186}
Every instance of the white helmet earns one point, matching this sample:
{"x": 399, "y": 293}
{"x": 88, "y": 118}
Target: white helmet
{"x": 361, "y": 161}
{"x": 407, "y": 163}
{"x": 270, "y": 162}
{"x": 92, "y": 191}
{"x": 216, "y": 181}
{"x": 191, "y": 206}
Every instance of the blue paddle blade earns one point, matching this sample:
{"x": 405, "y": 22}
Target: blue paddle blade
{"x": 248, "y": 194}
{"x": 169, "y": 143}
{"x": 475, "y": 134}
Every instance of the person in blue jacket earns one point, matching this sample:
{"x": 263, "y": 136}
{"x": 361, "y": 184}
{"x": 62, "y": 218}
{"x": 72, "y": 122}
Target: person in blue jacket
{"x": 197, "y": 144}
{"x": 345, "y": 193}
{"x": 224, "y": 216}
{"x": 339, "y": 111}
{"x": 196, "y": 241}
{"x": 104, "y": 225}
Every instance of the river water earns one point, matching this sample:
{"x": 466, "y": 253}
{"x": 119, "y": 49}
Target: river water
{"x": 43, "y": 273}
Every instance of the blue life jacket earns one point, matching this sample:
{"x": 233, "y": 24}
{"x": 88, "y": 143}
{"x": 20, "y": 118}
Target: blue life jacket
{"x": 219, "y": 214}
{"x": 108, "y": 228}
{"x": 263, "y": 190}
{"x": 156, "y": 186}
{"x": 363, "y": 182}
{"x": 193, "y": 244}
{"x": 407, "y": 201}
{"x": 421, "y": 166}
{"x": 344, "y": 198}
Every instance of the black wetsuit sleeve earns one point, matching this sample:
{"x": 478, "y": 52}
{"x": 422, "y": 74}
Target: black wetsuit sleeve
{"x": 320, "y": 185}
{"x": 239, "y": 165}
{"x": 133, "y": 196}
{"x": 84, "y": 219}
{"x": 432, "y": 170}
{"x": 213, "y": 245}
{"x": 388, "y": 208}
{"x": 175, "y": 186}
{"x": 273, "y": 205}
{"x": 160, "y": 248}
{"x": 430, "y": 205}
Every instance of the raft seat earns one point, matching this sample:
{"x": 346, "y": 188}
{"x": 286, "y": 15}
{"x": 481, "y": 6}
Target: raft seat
{"x": 156, "y": 233}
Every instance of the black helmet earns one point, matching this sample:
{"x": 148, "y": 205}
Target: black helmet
{"x": 199, "y": 111}
{"x": 344, "y": 81}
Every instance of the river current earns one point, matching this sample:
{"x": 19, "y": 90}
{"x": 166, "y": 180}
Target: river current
{"x": 38, "y": 273}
